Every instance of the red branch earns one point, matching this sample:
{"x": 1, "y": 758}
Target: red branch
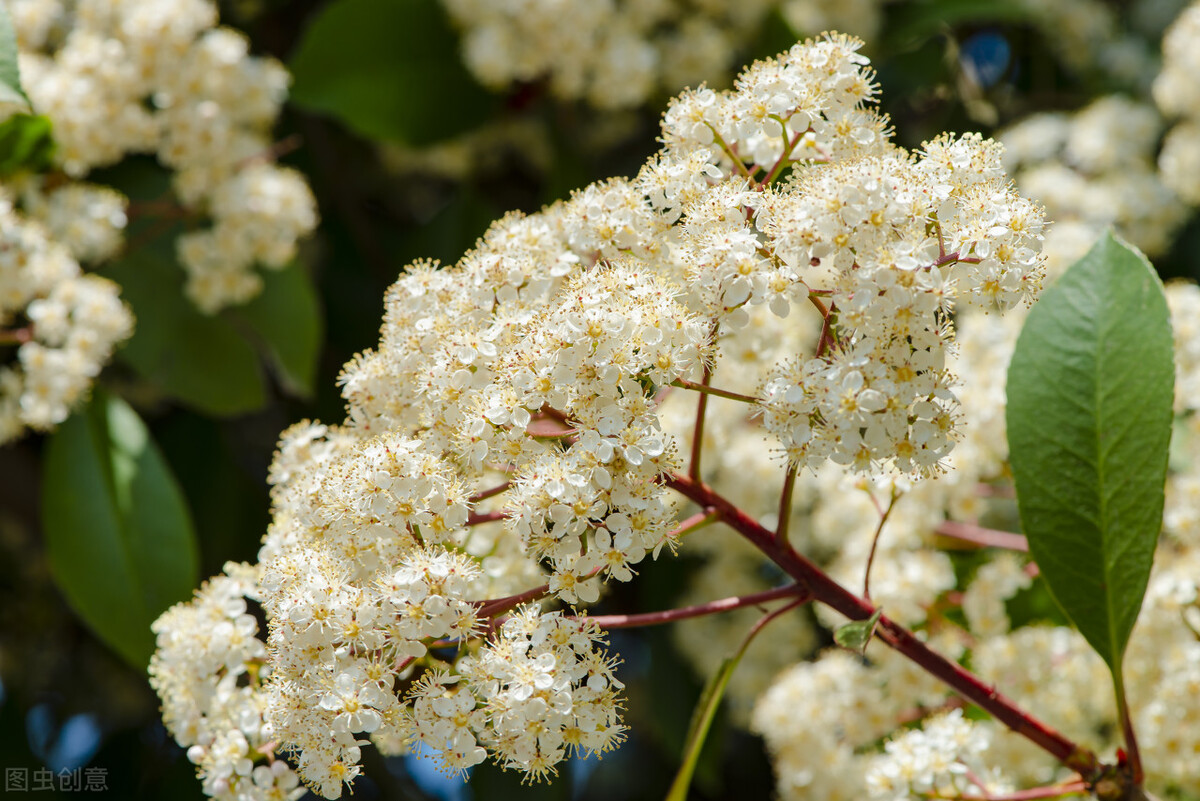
{"x": 16, "y": 336}
{"x": 1077, "y": 787}
{"x": 827, "y": 591}
{"x": 475, "y": 518}
{"x": 827, "y": 337}
{"x": 499, "y": 606}
{"x": 983, "y": 537}
{"x": 710, "y": 608}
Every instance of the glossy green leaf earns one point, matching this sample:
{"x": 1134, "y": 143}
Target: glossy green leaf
{"x": 1090, "y": 391}
{"x": 118, "y": 533}
{"x": 389, "y": 70}
{"x": 201, "y": 360}
{"x": 855, "y": 635}
{"x": 12, "y": 97}
{"x": 25, "y": 144}
{"x": 285, "y": 322}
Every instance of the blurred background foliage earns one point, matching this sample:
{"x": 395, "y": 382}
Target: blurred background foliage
{"x": 408, "y": 158}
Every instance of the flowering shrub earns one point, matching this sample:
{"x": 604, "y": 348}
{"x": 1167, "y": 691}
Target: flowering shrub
{"x": 506, "y": 434}
{"x": 835, "y": 374}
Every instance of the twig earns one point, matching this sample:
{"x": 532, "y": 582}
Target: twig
{"x": 489, "y": 493}
{"x": 983, "y": 537}
{"x": 16, "y": 336}
{"x": 783, "y": 157}
{"x": 276, "y": 151}
{"x": 499, "y": 606}
{"x": 827, "y": 591}
{"x": 947, "y": 258}
{"x": 883, "y": 517}
{"x": 1077, "y": 787}
{"x": 693, "y": 523}
{"x": 476, "y": 518}
{"x": 827, "y": 337}
{"x": 710, "y": 608}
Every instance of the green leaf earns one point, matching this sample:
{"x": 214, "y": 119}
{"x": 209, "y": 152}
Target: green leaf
{"x": 25, "y": 144}
{"x": 1090, "y": 391}
{"x": 201, "y": 360}
{"x": 286, "y": 322}
{"x": 702, "y": 718}
{"x": 389, "y": 69}
{"x": 855, "y": 636}
{"x": 12, "y": 97}
{"x": 710, "y": 701}
{"x": 118, "y": 533}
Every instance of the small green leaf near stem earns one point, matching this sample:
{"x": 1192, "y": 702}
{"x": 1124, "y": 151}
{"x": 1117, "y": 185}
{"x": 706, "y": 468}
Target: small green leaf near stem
{"x": 710, "y": 701}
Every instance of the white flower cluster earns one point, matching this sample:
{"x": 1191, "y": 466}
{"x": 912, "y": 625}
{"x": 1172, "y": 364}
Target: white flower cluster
{"x": 620, "y": 53}
{"x": 1093, "y": 169}
{"x": 63, "y": 323}
{"x": 611, "y": 53}
{"x": 820, "y": 718}
{"x": 89, "y": 220}
{"x": 1047, "y": 669}
{"x": 1091, "y": 36}
{"x": 155, "y": 76}
{"x": 506, "y": 431}
{"x": 1176, "y": 94}
{"x": 208, "y": 669}
{"x": 932, "y": 760}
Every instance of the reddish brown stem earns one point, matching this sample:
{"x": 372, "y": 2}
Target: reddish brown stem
{"x": 985, "y": 490}
{"x": 475, "y": 518}
{"x": 499, "y": 606}
{"x": 16, "y": 336}
{"x": 710, "y": 608}
{"x": 782, "y": 160}
{"x": 827, "y": 591}
{"x": 826, "y": 339}
{"x": 1031, "y": 794}
{"x": 696, "y": 521}
{"x": 953, "y": 257}
{"x": 276, "y": 151}
{"x": 489, "y": 493}
{"x": 983, "y": 537}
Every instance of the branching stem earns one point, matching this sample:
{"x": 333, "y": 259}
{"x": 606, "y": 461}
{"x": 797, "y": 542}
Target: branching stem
{"x": 489, "y": 493}
{"x": 788, "y": 147}
{"x": 499, "y": 606}
{"x": 827, "y": 591}
{"x": 16, "y": 336}
{"x": 983, "y": 537}
{"x": 710, "y": 608}
{"x": 476, "y": 518}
